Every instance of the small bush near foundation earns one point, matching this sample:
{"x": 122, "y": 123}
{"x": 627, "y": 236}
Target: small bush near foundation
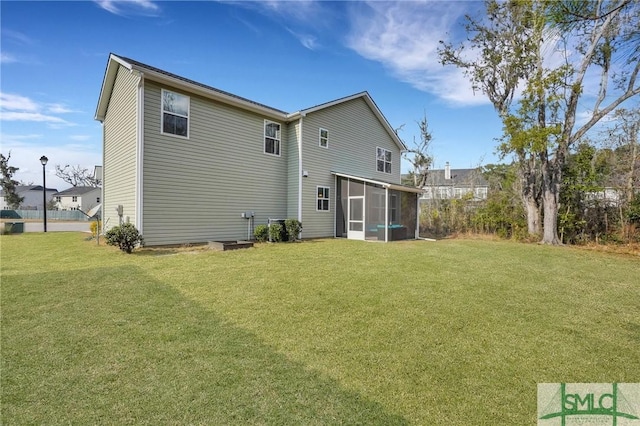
{"x": 276, "y": 232}
{"x": 261, "y": 233}
{"x": 125, "y": 236}
{"x": 293, "y": 227}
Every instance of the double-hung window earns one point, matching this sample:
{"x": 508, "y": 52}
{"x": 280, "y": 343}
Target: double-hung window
{"x": 175, "y": 114}
{"x": 271, "y": 138}
{"x": 383, "y": 160}
{"x": 322, "y": 198}
{"x": 324, "y": 138}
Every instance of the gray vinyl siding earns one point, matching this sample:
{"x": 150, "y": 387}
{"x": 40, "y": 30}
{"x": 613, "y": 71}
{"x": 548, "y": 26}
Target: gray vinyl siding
{"x": 195, "y": 189}
{"x": 354, "y": 134}
{"x": 120, "y": 153}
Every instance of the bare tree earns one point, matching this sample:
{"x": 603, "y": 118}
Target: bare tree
{"x": 77, "y": 176}
{"x": 418, "y": 155}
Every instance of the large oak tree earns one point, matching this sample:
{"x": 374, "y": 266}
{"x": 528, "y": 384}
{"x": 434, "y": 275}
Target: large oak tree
{"x": 594, "y": 40}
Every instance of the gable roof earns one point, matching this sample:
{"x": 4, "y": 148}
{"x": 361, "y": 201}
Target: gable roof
{"x": 76, "y": 190}
{"x": 24, "y": 188}
{"x": 165, "y": 77}
{"x": 372, "y": 105}
{"x": 459, "y": 177}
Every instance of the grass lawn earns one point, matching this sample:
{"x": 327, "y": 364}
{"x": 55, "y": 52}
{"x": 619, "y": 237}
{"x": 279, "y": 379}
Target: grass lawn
{"x": 457, "y": 332}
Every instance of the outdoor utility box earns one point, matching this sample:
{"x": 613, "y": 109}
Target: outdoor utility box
{"x": 14, "y": 227}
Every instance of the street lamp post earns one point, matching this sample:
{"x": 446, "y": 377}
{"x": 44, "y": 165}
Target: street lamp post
{"x": 44, "y": 160}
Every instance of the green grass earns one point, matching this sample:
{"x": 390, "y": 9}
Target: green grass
{"x": 456, "y": 332}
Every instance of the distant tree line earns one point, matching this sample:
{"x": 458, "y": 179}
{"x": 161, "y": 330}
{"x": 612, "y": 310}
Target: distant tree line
{"x": 599, "y": 199}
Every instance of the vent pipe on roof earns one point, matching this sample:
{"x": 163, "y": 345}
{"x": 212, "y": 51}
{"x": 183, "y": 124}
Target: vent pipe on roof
{"x": 447, "y": 171}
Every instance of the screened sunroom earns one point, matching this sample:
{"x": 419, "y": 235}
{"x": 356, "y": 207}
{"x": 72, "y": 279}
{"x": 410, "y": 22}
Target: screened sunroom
{"x": 372, "y": 210}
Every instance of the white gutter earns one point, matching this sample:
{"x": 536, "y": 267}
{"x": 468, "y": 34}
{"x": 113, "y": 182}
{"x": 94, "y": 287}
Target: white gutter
{"x": 383, "y": 184}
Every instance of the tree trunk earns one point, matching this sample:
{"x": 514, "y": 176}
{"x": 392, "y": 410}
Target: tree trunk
{"x": 551, "y": 178}
{"x": 550, "y": 227}
{"x": 633, "y": 140}
{"x": 533, "y": 215}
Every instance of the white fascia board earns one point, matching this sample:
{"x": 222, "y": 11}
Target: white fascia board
{"x": 367, "y": 98}
{"x": 107, "y": 85}
{"x": 210, "y": 94}
{"x": 381, "y": 183}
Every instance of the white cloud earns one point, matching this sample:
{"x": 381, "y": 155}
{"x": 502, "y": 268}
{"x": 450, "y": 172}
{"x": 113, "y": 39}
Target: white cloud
{"x": 129, "y": 7}
{"x": 307, "y": 40}
{"x": 12, "y": 102}
{"x": 58, "y": 109}
{"x": 80, "y": 138}
{"x": 30, "y": 116}
{"x": 21, "y": 108}
{"x": 7, "y": 58}
{"x": 405, "y": 37}
{"x": 17, "y": 37}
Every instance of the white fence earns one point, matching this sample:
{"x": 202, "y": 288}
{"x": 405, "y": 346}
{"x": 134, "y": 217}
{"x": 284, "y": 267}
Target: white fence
{"x": 72, "y": 215}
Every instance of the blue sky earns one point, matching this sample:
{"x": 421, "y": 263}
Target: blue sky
{"x": 288, "y": 55}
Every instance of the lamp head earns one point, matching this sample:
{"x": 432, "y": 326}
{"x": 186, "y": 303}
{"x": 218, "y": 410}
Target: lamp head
{"x": 44, "y": 160}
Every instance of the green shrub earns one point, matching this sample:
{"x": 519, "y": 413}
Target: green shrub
{"x": 125, "y": 236}
{"x": 293, "y": 227}
{"x": 276, "y": 232}
{"x": 261, "y": 233}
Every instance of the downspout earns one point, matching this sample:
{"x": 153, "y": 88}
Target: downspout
{"x": 386, "y": 213}
{"x": 417, "y": 233}
{"x": 102, "y": 213}
{"x": 302, "y": 115}
{"x": 140, "y": 151}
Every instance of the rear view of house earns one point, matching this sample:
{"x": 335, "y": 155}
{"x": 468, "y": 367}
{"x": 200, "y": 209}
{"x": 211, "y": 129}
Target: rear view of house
{"x": 185, "y": 162}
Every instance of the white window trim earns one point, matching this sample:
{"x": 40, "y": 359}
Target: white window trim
{"x": 385, "y": 161}
{"x": 320, "y": 138}
{"x": 188, "y": 116}
{"x": 264, "y": 139}
{"x": 328, "y": 198}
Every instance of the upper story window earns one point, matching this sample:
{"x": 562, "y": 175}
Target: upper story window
{"x": 324, "y": 138}
{"x": 383, "y": 160}
{"x": 58, "y": 199}
{"x": 175, "y": 114}
{"x": 323, "y": 198}
{"x": 74, "y": 199}
{"x": 271, "y": 138}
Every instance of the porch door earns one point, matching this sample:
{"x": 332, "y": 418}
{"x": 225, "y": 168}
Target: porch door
{"x": 355, "y": 229}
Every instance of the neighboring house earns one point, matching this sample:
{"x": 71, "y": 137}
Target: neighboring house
{"x": 33, "y": 197}
{"x": 185, "y": 162}
{"x": 82, "y": 198}
{"x": 608, "y": 196}
{"x": 451, "y": 183}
